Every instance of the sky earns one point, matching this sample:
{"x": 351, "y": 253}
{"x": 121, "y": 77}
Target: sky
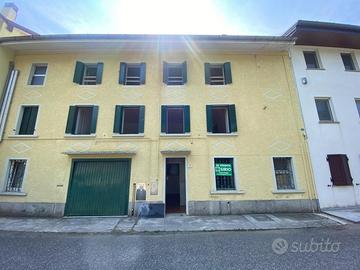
{"x": 231, "y": 17}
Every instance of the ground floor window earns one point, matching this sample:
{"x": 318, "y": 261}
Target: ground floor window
{"x": 340, "y": 170}
{"x": 15, "y": 176}
{"x": 284, "y": 173}
{"x": 224, "y": 173}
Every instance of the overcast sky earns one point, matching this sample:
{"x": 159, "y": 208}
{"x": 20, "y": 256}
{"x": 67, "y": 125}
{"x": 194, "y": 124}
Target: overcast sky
{"x": 240, "y": 17}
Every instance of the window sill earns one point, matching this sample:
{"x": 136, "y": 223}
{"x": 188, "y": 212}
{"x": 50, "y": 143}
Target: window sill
{"x": 13, "y": 194}
{"x": 23, "y": 136}
{"x": 35, "y": 85}
{"x": 175, "y": 85}
{"x": 288, "y": 191}
{"x": 328, "y": 122}
{"x": 133, "y": 86}
{"x": 128, "y": 135}
{"x": 217, "y": 85}
{"x": 227, "y": 192}
{"x": 315, "y": 68}
{"x": 175, "y": 135}
{"x": 88, "y": 85}
{"x": 223, "y": 134}
{"x": 80, "y": 136}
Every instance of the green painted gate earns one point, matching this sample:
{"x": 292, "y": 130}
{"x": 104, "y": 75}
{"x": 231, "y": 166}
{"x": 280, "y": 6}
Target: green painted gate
{"x": 98, "y": 188}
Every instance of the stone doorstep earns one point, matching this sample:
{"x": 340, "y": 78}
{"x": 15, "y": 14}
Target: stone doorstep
{"x": 171, "y": 223}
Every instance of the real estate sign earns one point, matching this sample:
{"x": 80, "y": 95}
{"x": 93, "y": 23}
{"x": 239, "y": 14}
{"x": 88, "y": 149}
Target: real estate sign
{"x": 222, "y": 169}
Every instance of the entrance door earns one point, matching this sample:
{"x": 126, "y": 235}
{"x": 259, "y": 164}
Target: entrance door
{"x": 99, "y": 188}
{"x": 175, "y": 185}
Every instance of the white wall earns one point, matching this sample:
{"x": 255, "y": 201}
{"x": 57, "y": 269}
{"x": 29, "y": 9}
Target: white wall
{"x": 334, "y": 138}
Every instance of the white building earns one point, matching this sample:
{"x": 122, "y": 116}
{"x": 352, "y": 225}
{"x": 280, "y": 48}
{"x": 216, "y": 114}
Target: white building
{"x": 326, "y": 61}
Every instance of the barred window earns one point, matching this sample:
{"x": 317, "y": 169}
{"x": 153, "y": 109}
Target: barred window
{"x": 224, "y": 173}
{"x": 15, "y": 175}
{"x": 283, "y": 173}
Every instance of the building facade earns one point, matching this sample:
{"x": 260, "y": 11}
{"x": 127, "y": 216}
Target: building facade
{"x": 325, "y": 61}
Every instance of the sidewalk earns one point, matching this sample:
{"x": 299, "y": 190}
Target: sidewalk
{"x": 171, "y": 223}
{"x": 349, "y": 213}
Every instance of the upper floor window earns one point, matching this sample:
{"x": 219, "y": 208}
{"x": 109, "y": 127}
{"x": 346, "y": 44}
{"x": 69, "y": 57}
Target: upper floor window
{"x": 37, "y": 74}
{"x": 348, "y": 60}
{"x": 218, "y": 74}
{"x": 15, "y": 175}
{"x": 221, "y": 118}
{"x": 129, "y": 119}
{"x": 174, "y": 74}
{"x": 323, "y": 107}
{"x": 88, "y": 74}
{"x": 312, "y": 60}
{"x": 357, "y": 102}
{"x": 284, "y": 174}
{"x": 82, "y": 120}
{"x": 27, "y": 120}
{"x": 340, "y": 170}
{"x": 132, "y": 74}
{"x": 175, "y": 119}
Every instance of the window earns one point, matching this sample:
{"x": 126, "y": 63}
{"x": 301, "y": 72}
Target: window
{"x": 218, "y": 74}
{"x": 284, "y": 174}
{"x": 311, "y": 60}
{"x": 174, "y": 74}
{"x": 27, "y": 120}
{"x": 15, "y": 175}
{"x": 357, "y": 102}
{"x": 224, "y": 173}
{"x": 221, "y": 118}
{"x": 82, "y": 120}
{"x": 37, "y": 74}
{"x": 339, "y": 169}
{"x": 348, "y": 61}
{"x": 88, "y": 74}
{"x": 129, "y": 119}
{"x": 175, "y": 119}
{"x": 324, "y": 109}
{"x": 132, "y": 74}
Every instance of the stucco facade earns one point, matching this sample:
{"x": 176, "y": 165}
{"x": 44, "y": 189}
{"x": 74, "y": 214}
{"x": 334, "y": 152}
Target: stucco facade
{"x": 339, "y": 137}
{"x": 268, "y": 120}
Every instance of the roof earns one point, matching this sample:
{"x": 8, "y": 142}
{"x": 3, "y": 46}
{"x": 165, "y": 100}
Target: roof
{"x": 325, "y": 34}
{"x": 11, "y": 24}
{"x": 115, "y": 42}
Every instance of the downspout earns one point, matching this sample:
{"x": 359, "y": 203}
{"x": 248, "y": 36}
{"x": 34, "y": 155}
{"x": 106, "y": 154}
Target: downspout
{"x": 7, "y": 97}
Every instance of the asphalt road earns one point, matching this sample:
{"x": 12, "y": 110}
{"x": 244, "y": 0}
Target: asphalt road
{"x": 321, "y": 248}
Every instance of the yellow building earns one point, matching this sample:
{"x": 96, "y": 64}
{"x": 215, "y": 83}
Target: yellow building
{"x": 123, "y": 124}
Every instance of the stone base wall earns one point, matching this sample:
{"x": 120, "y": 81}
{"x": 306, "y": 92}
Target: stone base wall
{"x": 201, "y": 208}
{"x": 31, "y": 209}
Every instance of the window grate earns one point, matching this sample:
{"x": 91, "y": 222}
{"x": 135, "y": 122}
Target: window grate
{"x": 15, "y": 176}
{"x": 225, "y": 182}
{"x": 283, "y": 173}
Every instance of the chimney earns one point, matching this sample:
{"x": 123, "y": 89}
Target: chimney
{"x": 9, "y": 11}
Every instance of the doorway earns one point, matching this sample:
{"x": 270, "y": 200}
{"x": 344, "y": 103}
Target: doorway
{"x": 175, "y": 197}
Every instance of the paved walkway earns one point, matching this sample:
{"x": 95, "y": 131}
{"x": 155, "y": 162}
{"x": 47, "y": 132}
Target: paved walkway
{"x": 168, "y": 224}
{"x": 348, "y": 213}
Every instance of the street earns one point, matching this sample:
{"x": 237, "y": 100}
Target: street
{"x": 317, "y": 248}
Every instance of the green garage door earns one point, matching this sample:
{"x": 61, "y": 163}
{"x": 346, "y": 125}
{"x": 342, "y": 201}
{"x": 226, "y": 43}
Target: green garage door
{"x": 98, "y": 188}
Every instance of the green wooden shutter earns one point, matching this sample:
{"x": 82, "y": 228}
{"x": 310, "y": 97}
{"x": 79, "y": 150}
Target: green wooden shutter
{"x": 142, "y": 73}
{"x": 71, "y": 120}
{"x": 99, "y": 72}
{"x": 232, "y": 118}
{"x": 187, "y": 118}
{"x": 207, "y": 73}
{"x": 79, "y": 72}
{"x": 163, "y": 119}
{"x": 28, "y": 120}
{"x": 184, "y": 72}
{"x": 209, "y": 118}
{"x": 165, "y": 72}
{"x": 118, "y": 119}
{"x": 122, "y": 73}
{"x": 94, "y": 119}
{"x": 141, "y": 118}
{"x": 227, "y": 73}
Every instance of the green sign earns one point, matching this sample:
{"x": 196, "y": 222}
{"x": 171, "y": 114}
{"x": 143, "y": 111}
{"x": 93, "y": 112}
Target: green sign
{"x": 222, "y": 169}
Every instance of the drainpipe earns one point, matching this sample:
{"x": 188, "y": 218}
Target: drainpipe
{"x": 7, "y": 97}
